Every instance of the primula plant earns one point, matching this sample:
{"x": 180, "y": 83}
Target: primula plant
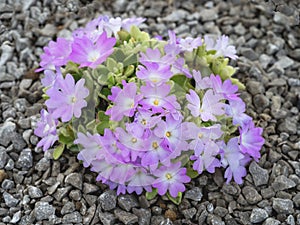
{"x": 145, "y": 113}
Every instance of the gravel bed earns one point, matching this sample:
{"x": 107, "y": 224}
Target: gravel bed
{"x": 35, "y": 189}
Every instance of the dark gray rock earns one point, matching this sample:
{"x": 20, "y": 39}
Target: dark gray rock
{"x": 125, "y": 217}
{"x": 144, "y": 216}
{"x": 194, "y": 194}
{"x": 6, "y": 132}
{"x": 43, "y": 164}
{"x": 43, "y": 210}
{"x": 214, "y": 220}
{"x": 90, "y": 188}
{"x": 107, "y": 218}
{"x": 127, "y": 202}
{"x": 34, "y": 192}
{"x": 7, "y": 184}
{"x": 249, "y": 53}
{"x": 251, "y": 195}
{"x": 74, "y": 217}
{"x": 3, "y": 158}
{"x": 10, "y": 200}
{"x": 255, "y": 87}
{"x": 282, "y": 183}
{"x": 261, "y": 102}
{"x": 189, "y": 213}
{"x": 258, "y": 215}
{"x": 25, "y": 159}
{"x": 271, "y": 221}
{"x": 284, "y": 206}
{"x": 75, "y": 179}
{"x": 260, "y": 176}
{"x": 69, "y": 207}
{"x": 108, "y": 200}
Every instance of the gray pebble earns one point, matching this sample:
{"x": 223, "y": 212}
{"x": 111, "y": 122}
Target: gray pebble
{"x": 74, "y": 217}
{"x": 208, "y": 15}
{"x": 251, "y": 195}
{"x": 16, "y": 217}
{"x": 125, "y": 217}
{"x": 7, "y": 184}
{"x": 284, "y": 206}
{"x": 6, "y": 53}
{"x": 176, "y": 15}
{"x": 9, "y": 200}
{"x": 261, "y": 102}
{"x": 90, "y": 188}
{"x": 107, "y": 218}
{"x": 3, "y": 158}
{"x": 108, "y": 200}
{"x": 214, "y": 220}
{"x": 284, "y": 62}
{"x": 282, "y": 183}
{"x": 265, "y": 60}
{"x": 271, "y": 221}
{"x": 288, "y": 126}
{"x": 144, "y": 216}
{"x": 189, "y": 213}
{"x": 258, "y": 215}
{"x": 6, "y": 132}
{"x": 127, "y": 202}
{"x": 25, "y": 159}
{"x": 260, "y": 176}
{"x": 296, "y": 200}
{"x": 34, "y": 192}
{"x": 60, "y": 193}
{"x": 194, "y": 194}
{"x": 249, "y": 53}
{"x": 255, "y": 87}
{"x": 43, "y": 164}
{"x": 75, "y": 179}
{"x": 67, "y": 208}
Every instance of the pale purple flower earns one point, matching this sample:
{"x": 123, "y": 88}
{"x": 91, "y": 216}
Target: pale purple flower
{"x": 171, "y": 131}
{"x": 221, "y": 47}
{"x": 157, "y": 98}
{"x": 113, "y": 26}
{"x": 125, "y": 101}
{"x": 46, "y": 129}
{"x": 189, "y": 44}
{"x": 91, "y": 148}
{"x": 172, "y": 47}
{"x": 51, "y": 78}
{"x": 251, "y": 139}
{"x": 55, "y": 54}
{"x": 226, "y": 88}
{"x": 129, "y": 22}
{"x": 171, "y": 179}
{"x": 155, "y": 56}
{"x": 154, "y": 74}
{"x": 179, "y": 67}
{"x": 122, "y": 173}
{"x": 210, "y": 107}
{"x": 234, "y": 161}
{"x": 206, "y": 157}
{"x": 87, "y": 53}
{"x": 236, "y": 109}
{"x": 139, "y": 181}
{"x": 128, "y": 142}
{"x": 155, "y": 154}
{"x": 113, "y": 153}
{"x": 201, "y": 83}
{"x": 67, "y": 98}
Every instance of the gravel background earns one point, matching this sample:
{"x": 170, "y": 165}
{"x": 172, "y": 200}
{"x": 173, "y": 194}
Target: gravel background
{"x": 38, "y": 190}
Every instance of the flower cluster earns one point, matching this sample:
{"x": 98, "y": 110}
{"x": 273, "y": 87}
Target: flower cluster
{"x": 145, "y": 113}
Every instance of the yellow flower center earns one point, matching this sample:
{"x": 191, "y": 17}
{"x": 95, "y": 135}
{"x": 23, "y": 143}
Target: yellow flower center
{"x": 155, "y": 145}
{"x": 144, "y": 122}
{"x": 168, "y": 176}
{"x": 168, "y": 134}
{"x": 156, "y": 102}
{"x": 73, "y": 99}
{"x": 133, "y": 140}
{"x": 200, "y": 135}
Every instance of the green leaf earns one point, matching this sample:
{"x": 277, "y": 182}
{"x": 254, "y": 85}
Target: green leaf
{"x": 191, "y": 173}
{"x": 124, "y": 35}
{"x": 102, "y": 116}
{"x": 111, "y": 64}
{"x": 176, "y": 200}
{"x": 118, "y": 55}
{"x": 129, "y": 70}
{"x": 58, "y": 151}
{"x": 131, "y": 59}
{"x": 66, "y": 135}
{"x": 151, "y": 195}
{"x": 101, "y": 127}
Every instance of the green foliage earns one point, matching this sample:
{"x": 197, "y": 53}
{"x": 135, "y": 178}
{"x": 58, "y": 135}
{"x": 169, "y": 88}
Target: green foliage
{"x": 58, "y": 151}
{"x": 151, "y": 195}
{"x": 176, "y": 200}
